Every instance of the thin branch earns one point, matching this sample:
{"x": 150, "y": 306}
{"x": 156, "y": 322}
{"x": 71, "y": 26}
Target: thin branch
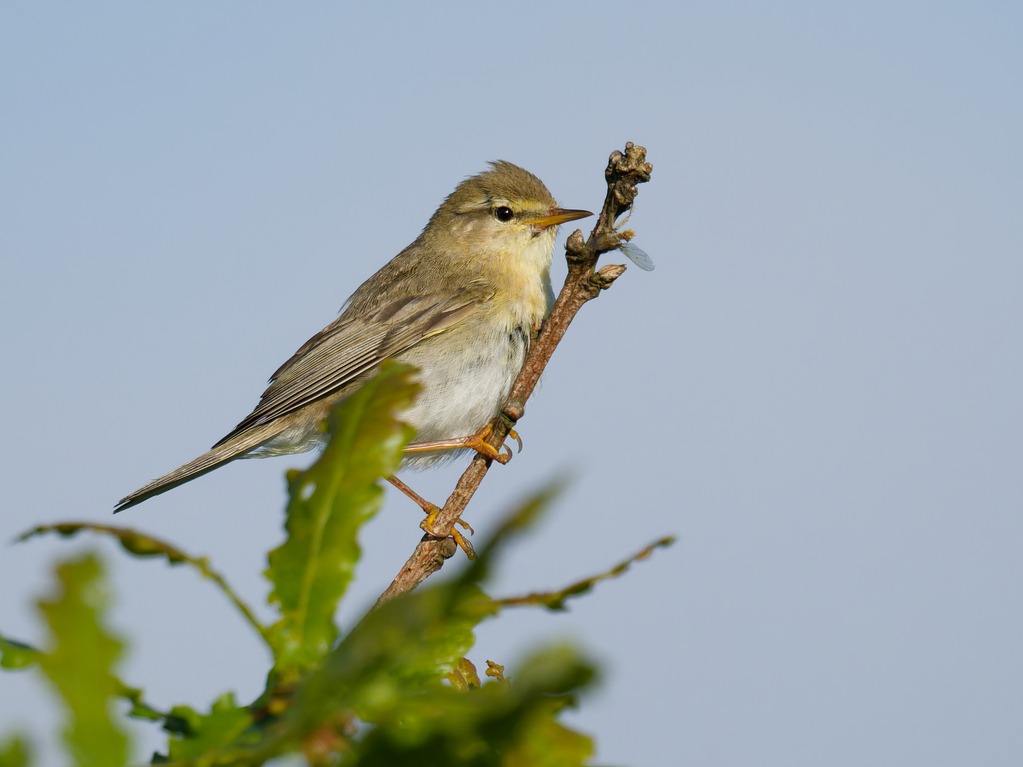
{"x": 623, "y": 173}
{"x": 555, "y": 600}
{"x": 143, "y": 545}
{"x": 427, "y": 559}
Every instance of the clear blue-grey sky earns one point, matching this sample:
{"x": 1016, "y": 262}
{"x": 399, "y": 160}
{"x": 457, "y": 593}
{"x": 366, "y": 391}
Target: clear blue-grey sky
{"x": 819, "y": 390}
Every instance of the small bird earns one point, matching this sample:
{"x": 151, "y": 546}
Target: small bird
{"x": 460, "y": 303}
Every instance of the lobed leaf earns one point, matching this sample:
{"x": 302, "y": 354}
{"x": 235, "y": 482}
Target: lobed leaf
{"x": 328, "y": 504}
{"x": 194, "y": 734}
{"x": 498, "y": 725}
{"x": 408, "y": 644}
{"x": 80, "y": 662}
{"x": 398, "y": 655}
{"x": 402, "y": 648}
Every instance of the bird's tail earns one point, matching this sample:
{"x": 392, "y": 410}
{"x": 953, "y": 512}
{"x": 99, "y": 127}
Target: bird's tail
{"x": 204, "y": 464}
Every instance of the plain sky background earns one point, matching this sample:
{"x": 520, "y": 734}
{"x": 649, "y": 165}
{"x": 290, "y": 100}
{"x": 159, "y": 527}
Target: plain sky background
{"x": 819, "y": 389}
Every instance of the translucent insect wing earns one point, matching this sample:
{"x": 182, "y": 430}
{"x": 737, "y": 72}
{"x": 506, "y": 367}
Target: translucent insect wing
{"x": 638, "y": 256}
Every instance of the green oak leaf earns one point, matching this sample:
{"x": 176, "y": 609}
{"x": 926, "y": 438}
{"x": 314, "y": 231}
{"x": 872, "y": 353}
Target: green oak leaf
{"x": 80, "y": 662}
{"x": 328, "y": 504}
{"x": 198, "y": 734}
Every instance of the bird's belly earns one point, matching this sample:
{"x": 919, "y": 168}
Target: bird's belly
{"x": 464, "y": 386}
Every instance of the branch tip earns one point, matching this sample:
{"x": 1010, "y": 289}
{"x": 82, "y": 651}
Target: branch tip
{"x": 575, "y": 243}
{"x": 623, "y": 173}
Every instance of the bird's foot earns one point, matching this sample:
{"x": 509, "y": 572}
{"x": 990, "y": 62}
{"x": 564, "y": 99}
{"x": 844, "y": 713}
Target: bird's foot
{"x": 477, "y": 442}
{"x": 461, "y": 540}
{"x": 432, "y": 510}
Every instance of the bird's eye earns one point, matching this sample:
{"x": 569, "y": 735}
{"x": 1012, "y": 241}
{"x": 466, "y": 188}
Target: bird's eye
{"x": 504, "y": 214}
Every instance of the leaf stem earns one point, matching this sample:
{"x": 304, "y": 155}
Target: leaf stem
{"x": 142, "y": 545}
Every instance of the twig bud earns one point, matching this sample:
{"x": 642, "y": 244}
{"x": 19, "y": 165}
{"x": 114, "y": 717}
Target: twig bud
{"x": 575, "y": 243}
{"x": 514, "y": 409}
{"x": 607, "y": 275}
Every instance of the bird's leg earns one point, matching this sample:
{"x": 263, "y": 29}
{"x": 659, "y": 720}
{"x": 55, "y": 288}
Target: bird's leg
{"x": 477, "y": 442}
{"x": 432, "y": 510}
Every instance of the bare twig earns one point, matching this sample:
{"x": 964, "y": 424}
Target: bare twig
{"x": 623, "y": 173}
{"x": 142, "y": 545}
{"x": 555, "y": 600}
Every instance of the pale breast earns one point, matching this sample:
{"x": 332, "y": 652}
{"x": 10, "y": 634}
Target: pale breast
{"x": 465, "y": 383}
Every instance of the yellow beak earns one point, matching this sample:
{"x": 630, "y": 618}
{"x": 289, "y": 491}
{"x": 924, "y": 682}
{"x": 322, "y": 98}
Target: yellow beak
{"x": 558, "y": 216}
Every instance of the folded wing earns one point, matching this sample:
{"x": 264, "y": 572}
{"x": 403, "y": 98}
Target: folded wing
{"x": 349, "y": 348}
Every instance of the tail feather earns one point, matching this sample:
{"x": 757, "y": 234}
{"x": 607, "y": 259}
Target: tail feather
{"x": 204, "y": 464}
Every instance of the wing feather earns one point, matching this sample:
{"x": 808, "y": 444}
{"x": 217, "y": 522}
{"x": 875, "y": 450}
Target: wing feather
{"x": 349, "y": 348}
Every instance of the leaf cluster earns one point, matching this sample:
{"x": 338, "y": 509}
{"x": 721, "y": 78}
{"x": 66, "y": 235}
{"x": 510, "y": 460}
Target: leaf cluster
{"x": 396, "y": 689}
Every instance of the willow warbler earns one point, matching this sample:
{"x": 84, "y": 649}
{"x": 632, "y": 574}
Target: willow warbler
{"x": 459, "y": 303}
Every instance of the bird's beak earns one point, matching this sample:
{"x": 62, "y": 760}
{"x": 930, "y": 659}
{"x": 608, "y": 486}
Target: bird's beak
{"x": 558, "y": 216}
